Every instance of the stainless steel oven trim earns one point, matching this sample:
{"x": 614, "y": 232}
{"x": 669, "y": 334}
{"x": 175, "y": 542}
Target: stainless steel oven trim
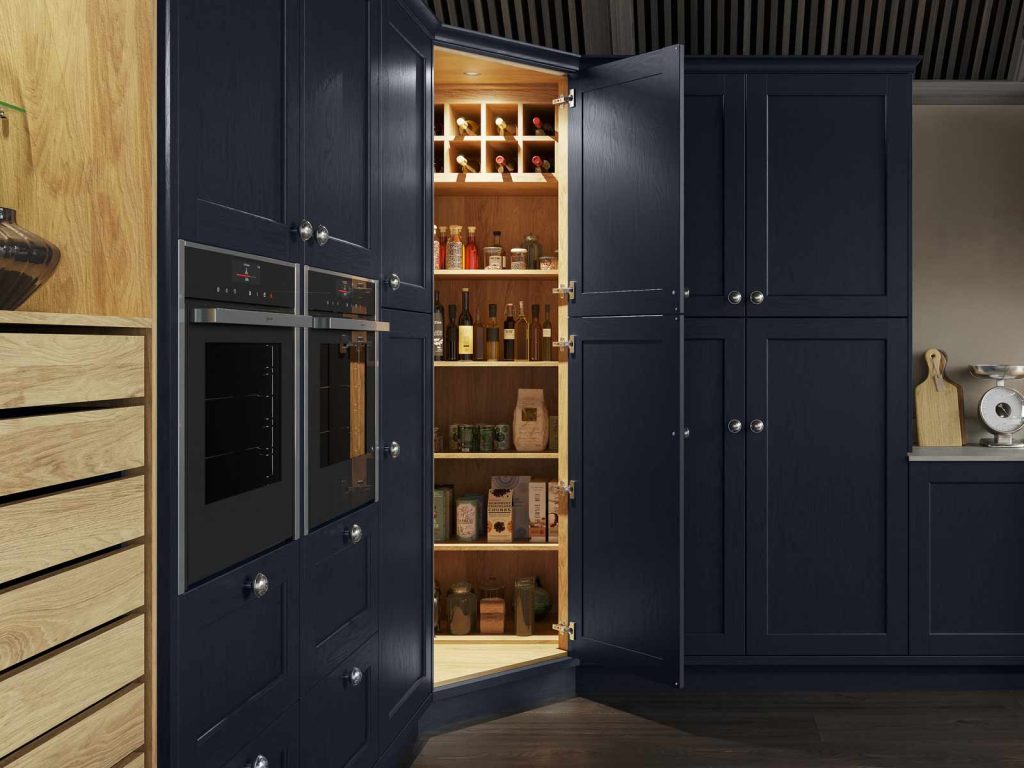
{"x": 376, "y": 378}
{"x": 182, "y": 322}
{"x": 349, "y": 324}
{"x": 226, "y": 316}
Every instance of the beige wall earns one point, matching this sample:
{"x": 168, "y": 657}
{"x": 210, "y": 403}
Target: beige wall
{"x": 969, "y": 241}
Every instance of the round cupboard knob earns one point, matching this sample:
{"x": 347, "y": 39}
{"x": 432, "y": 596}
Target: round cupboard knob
{"x": 735, "y": 425}
{"x": 322, "y": 235}
{"x": 259, "y": 585}
{"x": 394, "y": 282}
{"x": 735, "y": 297}
{"x": 305, "y": 230}
{"x": 260, "y": 761}
{"x": 756, "y": 297}
{"x": 354, "y": 676}
{"x": 393, "y": 449}
{"x": 355, "y": 533}
{"x": 757, "y": 426}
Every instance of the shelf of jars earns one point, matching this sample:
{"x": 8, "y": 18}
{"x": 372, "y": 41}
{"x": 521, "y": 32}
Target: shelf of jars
{"x": 496, "y": 455}
{"x": 495, "y": 363}
{"x": 496, "y": 274}
{"x": 488, "y": 546}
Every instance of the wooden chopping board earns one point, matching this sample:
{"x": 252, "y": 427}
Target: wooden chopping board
{"x": 939, "y": 403}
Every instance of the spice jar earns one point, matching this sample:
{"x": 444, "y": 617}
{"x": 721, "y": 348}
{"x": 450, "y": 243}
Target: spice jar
{"x": 494, "y": 254}
{"x": 462, "y": 607}
{"x": 524, "y": 588}
{"x": 548, "y": 263}
{"x": 518, "y": 258}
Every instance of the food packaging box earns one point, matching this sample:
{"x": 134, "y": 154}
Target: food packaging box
{"x": 499, "y": 515}
{"x": 555, "y": 498}
{"x": 442, "y": 510}
{"x": 520, "y": 487}
{"x": 468, "y": 518}
{"x": 538, "y": 506}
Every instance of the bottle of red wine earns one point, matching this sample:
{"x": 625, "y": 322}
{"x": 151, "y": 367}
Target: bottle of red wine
{"x": 540, "y": 165}
{"x": 540, "y": 128}
{"x": 451, "y": 336}
{"x": 508, "y": 348}
{"x": 545, "y": 339}
{"x": 502, "y": 165}
{"x": 465, "y": 329}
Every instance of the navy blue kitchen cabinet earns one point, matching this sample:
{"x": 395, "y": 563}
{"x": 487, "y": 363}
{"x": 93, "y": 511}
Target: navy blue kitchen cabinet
{"x": 406, "y": 162}
{"x": 966, "y": 569}
{"x": 405, "y": 597}
{"x": 827, "y": 404}
{"x": 236, "y": 124}
{"x": 279, "y": 744}
{"x": 714, "y": 499}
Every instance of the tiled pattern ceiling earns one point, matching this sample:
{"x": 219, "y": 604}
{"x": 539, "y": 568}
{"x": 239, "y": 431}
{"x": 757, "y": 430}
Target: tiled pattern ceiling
{"x": 957, "y": 39}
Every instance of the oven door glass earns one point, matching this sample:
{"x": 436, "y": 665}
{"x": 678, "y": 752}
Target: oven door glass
{"x": 342, "y": 423}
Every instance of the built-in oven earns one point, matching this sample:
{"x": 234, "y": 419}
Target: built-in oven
{"x": 341, "y": 395}
{"x": 239, "y": 342}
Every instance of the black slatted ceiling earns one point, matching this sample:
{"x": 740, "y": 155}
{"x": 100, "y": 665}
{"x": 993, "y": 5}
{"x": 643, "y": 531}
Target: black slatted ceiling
{"x": 957, "y": 39}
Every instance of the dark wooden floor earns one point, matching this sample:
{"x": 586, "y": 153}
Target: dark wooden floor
{"x": 897, "y": 730}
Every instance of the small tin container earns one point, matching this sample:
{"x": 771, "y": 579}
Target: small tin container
{"x": 549, "y": 263}
{"x": 502, "y": 437}
{"x": 486, "y": 433}
{"x": 518, "y": 258}
{"x": 467, "y": 438}
{"x": 453, "y": 444}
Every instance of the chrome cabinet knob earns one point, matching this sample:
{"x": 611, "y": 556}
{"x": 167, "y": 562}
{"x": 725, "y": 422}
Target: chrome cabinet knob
{"x": 756, "y": 297}
{"x": 686, "y": 293}
{"x": 686, "y": 432}
{"x": 305, "y": 230}
{"x": 757, "y": 426}
{"x": 259, "y": 585}
{"x": 354, "y": 676}
{"x": 393, "y": 449}
{"x": 354, "y": 534}
{"x": 322, "y": 235}
{"x": 394, "y": 282}
{"x": 260, "y": 762}
{"x": 735, "y": 297}
{"x": 735, "y": 425}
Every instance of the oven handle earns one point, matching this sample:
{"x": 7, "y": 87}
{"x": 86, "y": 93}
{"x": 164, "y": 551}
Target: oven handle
{"x": 225, "y": 316}
{"x": 349, "y": 324}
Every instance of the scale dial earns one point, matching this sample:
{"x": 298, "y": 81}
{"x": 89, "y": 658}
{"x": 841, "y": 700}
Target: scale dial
{"x": 1002, "y": 410}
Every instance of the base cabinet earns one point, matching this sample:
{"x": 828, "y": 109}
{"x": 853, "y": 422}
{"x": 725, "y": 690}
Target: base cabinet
{"x": 278, "y": 744}
{"x": 966, "y": 569}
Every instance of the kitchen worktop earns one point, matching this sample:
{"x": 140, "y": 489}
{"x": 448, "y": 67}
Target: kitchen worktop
{"x": 966, "y": 453}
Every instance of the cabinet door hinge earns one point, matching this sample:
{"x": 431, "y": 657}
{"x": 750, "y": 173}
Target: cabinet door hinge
{"x": 570, "y": 99}
{"x": 566, "y": 629}
{"x": 568, "y": 488}
{"x": 569, "y": 344}
{"x": 568, "y": 290}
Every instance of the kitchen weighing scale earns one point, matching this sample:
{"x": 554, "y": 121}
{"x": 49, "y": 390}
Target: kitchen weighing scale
{"x": 1001, "y": 409}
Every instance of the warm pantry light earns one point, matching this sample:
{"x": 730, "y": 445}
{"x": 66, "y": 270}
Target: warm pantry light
{"x": 471, "y": 73}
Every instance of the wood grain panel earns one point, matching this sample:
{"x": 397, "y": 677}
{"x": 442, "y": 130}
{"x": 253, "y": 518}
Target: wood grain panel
{"x": 62, "y": 447}
{"x": 45, "y": 612}
{"x": 48, "y": 530}
{"x": 458, "y": 661}
{"x": 63, "y": 683}
{"x": 79, "y": 165}
{"x": 66, "y": 320}
{"x": 138, "y": 760}
{"x": 98, "y": 738}
{"x": 51, "y": 369}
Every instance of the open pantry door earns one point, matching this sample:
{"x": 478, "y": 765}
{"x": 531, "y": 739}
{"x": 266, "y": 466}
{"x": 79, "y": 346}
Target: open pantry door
{"x": 625, "y": 365}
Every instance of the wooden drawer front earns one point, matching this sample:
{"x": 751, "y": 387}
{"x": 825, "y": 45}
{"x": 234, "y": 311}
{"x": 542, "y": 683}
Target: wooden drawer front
{"x": 52, "y": 369}
{"x": 49, "y": 530}
{"x": 239, "y": 657}
{"x": 279, "y": 744}
{"x": 61, "y": 447}
{"x": 339, "y": 592}
{"x": 339, "y": 719}
{"x": 67, "y": 681}
{"x": 45, "y": 612}
{"x": 98, "y": 738}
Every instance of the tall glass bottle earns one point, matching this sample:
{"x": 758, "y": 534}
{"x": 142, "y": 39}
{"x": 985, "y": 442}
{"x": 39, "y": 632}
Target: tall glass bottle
{"x": 545, "y": 339}
{"x": 437, "y": 249}
{"x": 471, "y": 257}
{"x": 522, "y": 335}
{"x": 442, "y": 244}
{"x": 492, "y": 334}
{"x": 465, "y": 329}
{"x": 478, "y": 335}
{"x": 451, "y": 336}
{"x": 508, "y": 349}
{"x": 438, "y": 327}
{"x": 453, "y": 250}
{"x": 535, "y": 336}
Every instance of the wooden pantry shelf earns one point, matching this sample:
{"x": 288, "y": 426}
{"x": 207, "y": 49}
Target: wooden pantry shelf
{"x": 460, "y": 658}
{"x": 496, "y": 274}
{"x": 488, "y": 546}
{"x": 495, "y": 363}
{"x": 469, "y": 184}
{"x": 498, "y": 456}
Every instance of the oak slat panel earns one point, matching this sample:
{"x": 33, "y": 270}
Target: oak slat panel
{"x": 44, "y": 694}
{"x": 46, "y": 612}
{"x": 138, "y": 760}
{"x": 98, "y": 739}
{"x": 49, "y": 530}
{"x": 61, "y": 447}
{"x": 51, "y": 369}
{"x": 65, "y": 319}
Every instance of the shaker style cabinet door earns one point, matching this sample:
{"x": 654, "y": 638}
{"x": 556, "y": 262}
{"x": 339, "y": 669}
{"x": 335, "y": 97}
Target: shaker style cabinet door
{"x": 236, "y": 108}
{"x": 827, "y": 436}
{"x": 713, "y": 197}
{"x": 406, "y": 165}
{"x": 714, "y": 553}
{"x": 405, "y": 539}
{"x": 625, "y": 515}
{"x": 828, "y": 192}
{"x": 626, "y": 186}
{"x": 341, "y": 58}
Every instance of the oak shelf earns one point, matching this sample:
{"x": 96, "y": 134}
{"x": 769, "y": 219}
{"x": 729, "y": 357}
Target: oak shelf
{"x": 496, "y": 274}
{"x": 487, "y": 546}
{"x": 494, "y": 183}
{"x": 497, "y": 456}
{"x": 495, "y": 363}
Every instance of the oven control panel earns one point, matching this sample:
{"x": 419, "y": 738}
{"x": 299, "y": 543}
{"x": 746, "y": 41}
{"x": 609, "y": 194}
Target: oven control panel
{"x": 236, "y": 279}
{"x": 339, "y": 294}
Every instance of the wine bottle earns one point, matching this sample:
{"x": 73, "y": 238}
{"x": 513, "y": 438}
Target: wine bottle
{"x": 465, "y": 329}
{"x": 493, "y": 334}
{"x": 451, "y": 336}
{"x": 535, "y": 336}
{"x": 466, "y": 126}
{"x": 478, "y": 335}
{"x": 545, "y": 339}
{"x": 509, "y": 335}
{"x": 438, "y": 327}
{"x": 540, "y": 128}
{"x": 463, "y": 162}
{"x": 522, "y": 335}
{"x": 504, "y": 129}
{"x": 502, "y": 165}
{"x": 540, "y": 165}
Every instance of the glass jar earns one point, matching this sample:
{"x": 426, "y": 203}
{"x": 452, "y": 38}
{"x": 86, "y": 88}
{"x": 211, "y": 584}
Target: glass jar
{"x": 494, "y": 254}
{"x": 534, "y": 251}
{"x": 453, "y": 250}
{"x": 518, "y": 258}
{"x": 462, "y": 608}
{"x": 492, "y": 608}
{"x": 524, "y": 588}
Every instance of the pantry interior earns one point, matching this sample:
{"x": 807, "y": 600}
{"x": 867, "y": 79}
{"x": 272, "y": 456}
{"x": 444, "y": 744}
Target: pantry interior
{"x": 517, "y": 202}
